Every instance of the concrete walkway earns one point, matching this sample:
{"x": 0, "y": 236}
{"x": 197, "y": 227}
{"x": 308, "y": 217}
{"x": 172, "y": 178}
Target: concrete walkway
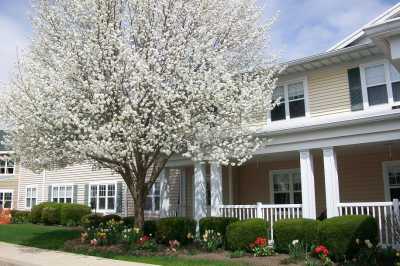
{"x": 16, "y": 255}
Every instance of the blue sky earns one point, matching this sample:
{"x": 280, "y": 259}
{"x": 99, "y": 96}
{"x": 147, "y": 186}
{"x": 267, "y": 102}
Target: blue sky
{"x": 304, "y": 27}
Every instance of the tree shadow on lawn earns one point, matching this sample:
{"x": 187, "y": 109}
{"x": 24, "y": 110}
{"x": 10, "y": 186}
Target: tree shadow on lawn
{"x": 53, "y": 240}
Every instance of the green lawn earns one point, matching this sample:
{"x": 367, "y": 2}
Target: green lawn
{"x": 52, "y": 237}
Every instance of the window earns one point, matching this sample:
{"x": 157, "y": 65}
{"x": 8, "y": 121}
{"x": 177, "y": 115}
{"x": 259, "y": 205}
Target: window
{"x": 62, "y": 193}
{"x": 6, "y": 199}
{"x": 31, "y": 196}
{"x": 153, "y": 198}
{"x": 286, "y": 186}
{"x": 392, "y": 182}
{"x": 395, "y": 79}
{"x": 102, "y": 197}
{"x": 375, "y": 82}
{"x": 290, "y": 99}
{"x": 6, "y": 166}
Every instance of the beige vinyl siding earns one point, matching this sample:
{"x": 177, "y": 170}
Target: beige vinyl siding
{"x": 29, "y": 178}
{"x": 10, "y": 183}
{"x": 328, "y": 91}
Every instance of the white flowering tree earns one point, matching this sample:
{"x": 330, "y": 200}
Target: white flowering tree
{"x": 126, "y": 84}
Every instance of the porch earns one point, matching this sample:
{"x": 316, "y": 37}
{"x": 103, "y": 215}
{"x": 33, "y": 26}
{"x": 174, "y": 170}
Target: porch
{"x": 333, "y": 181}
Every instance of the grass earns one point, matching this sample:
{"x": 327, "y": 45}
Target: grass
{"x": 53, "y": 237}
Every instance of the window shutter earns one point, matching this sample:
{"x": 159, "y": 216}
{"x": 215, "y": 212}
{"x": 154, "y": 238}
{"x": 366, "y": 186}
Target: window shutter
{"x": 86, "y": 198}
{"x": 75, "y": 195}
{"x": 49, "y": 193}
{"x": 119, "y": 197}
{"x": 356, "y": 97}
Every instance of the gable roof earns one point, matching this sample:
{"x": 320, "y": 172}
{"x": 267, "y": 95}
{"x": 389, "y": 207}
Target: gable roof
{"x": 359, "y": 34}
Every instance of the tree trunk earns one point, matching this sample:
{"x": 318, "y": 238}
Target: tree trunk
{"x": 138, "y": 193}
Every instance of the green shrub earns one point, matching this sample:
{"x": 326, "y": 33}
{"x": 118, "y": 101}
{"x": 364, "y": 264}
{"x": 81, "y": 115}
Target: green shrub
{"x": 150, "y": 228}
{"x": 20, "y": 217}
{"x": 110, "y": 217}
{"x": 71, "y": 214}
{"x": 217, "y": 224}
{"x": 339, "y": 234}
{"x": 285, "y": 231}
{"x": 36, "y": 211}
{"x": 51, "y": 215}
{"x": 129, "y": 221}
{"x": 239, "y": 235}
{"x": 91, "y": 220}
{"x": 176, "y": 228}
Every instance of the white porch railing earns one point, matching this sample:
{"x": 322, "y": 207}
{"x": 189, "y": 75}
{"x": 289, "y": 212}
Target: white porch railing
{"x": 269, "y": 212}
{"x": 385, "y": 213}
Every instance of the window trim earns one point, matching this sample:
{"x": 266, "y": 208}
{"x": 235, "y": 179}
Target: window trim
{"x": 285, "y": 84}
{"x": 5, "y": 167}
{"x": 12, "y": 195}
{"x": 97, "y": 196}
{"x": 385, "y": 175}
{"x": 388, "y": 83}
{"x": 62, "y": 185}
{"x": 271, "y": 183}
{"x": 26, "y": 196}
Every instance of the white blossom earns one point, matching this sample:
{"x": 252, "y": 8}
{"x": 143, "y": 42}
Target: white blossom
{"x": 127, "y": 84}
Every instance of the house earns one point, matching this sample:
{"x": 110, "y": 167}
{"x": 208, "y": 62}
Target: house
{"x": 8, "y": 178}
{"x": 333, "y": 148}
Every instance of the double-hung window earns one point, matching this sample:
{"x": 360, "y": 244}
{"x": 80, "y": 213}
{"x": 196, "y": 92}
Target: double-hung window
{"x": 392, "y": 182}
{"x": 6, "y": 166}
{"x": 6, "y": 198}
{"x": 62, "y": 193}
{"x": 290, "y": 101}
{"x": 395, "y": 82}
{"x": 103, "y": 197}
{"x": 153, "y": 198}
{"x": 286, "y": 186}
{"x": 31, "y": 197}
{"x": 375, "y": 83}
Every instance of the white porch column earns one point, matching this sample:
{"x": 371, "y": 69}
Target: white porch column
{"x": 216, "y": 188}
{"x": 164, "y": 193}
{"x": 200, "y": 191}
{"x": 331, "y": 182}
{"x": 307, "y": 184}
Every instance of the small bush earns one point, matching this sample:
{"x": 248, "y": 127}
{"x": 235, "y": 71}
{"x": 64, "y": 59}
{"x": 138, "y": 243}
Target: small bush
{"x": 129, "y": 221}
{"x": 51, "y": 215}
{"x": 339, "y": 234}
{"x": 150, "y": 228}
{"x": 217, "y": 224}
{"x": 176, "y": 228}
{"x": 36, "y": 211}
{"x": 239, "y": 235}
{"x": 20, "y": 217}
{"x": 71, "y": 214}
{"x": 91, "y": 220}
{"x": 110, "y": 217}
{"x": 303, "y": 230}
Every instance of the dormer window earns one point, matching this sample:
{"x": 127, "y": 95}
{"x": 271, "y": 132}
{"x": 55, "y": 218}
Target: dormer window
{"x": 291, "y": 101}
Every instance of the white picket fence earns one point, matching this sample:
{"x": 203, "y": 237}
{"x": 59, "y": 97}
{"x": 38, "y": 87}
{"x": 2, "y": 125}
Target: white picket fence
{"x": 269, "y": 212}
{"x": 385, "y": 213}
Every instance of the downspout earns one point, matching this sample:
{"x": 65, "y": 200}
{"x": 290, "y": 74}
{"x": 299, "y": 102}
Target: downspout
{"x": 43, "y": 185}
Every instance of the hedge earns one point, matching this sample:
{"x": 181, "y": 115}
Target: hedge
{"x": 339, "y": 234}
{"x": 36, "y": 211}
{"x": 285, "y": 231}
{"x": 217, "y": 224}
{"x": 129, "y": 221}
{"x": 91, "y": 220}
{"x": 51, "y": 214}
{"x": 150, "y": 228}
{"x": 71, "y": 214}
{"x": 176, "y": 228}
{"x": 239, "y": 235}
{"x": 20, "y": 217}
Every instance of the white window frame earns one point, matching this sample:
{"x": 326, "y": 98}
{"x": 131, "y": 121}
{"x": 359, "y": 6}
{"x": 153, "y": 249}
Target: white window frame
{"x": 291, "y": 190}
{"x": 6, "y": 165}
{"x": 285, "y": 85}
{"x": 65, "y": 196}
{"x": 385, "y": 167}
{"x": 388, "y": 83}
{"x": 106, "y": 210}
{"x": 26, "y": 197}
{"x": 12, "y": 196}
{"x": 153, "y": 196}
